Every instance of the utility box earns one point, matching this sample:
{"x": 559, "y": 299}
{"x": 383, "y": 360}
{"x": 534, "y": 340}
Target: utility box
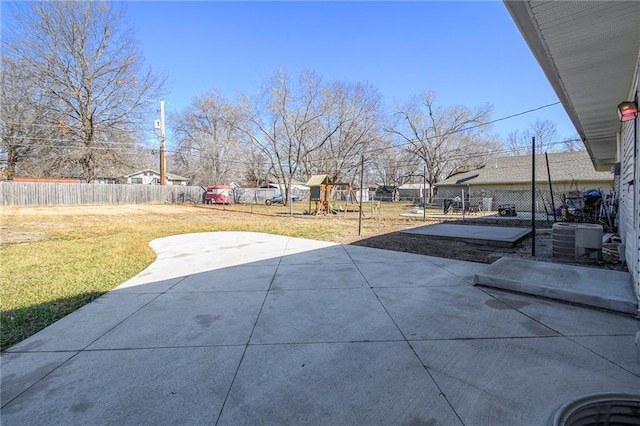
{"x": 588, "y": 242}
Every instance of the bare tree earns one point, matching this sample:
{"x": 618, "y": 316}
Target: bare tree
{"x": 351, "y": 117}
{"x": 573, "y": 143}
{"x": 283, "y": 122}
{"x": 391, "y": 165}
{"x": 447, "y": 140}
{"x": 209, "y": 144}
{"x": 256, "y": 169}
{"x": 545, "y": 132}
{"x": 84, "y": 60}
{"x": 22, "y": 119}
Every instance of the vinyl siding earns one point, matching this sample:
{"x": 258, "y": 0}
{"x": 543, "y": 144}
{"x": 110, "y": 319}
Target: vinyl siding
{"x": 629, "y": 210}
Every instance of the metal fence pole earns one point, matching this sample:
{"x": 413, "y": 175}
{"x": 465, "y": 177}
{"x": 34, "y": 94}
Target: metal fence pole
{"x": 533, "y": 196}
{"x": 361, "y": 186}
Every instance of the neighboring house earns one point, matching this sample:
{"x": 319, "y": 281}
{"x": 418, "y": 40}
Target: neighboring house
{"x": 387, "y": 193}
{"x": 297, "y": 188}
{"x": 507, "y": 180}
{"x": 151, "y": 177}
{"x": 590, "y": 53}
{"x": 412, "y": 191}
{"x": 106, "y": 180}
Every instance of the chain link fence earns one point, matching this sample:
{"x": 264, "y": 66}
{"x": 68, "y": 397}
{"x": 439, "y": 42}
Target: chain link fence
{"x": 590, "y": 206}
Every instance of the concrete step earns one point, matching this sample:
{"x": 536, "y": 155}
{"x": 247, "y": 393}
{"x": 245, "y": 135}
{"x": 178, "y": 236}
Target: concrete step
{"x": 599, "y": 288}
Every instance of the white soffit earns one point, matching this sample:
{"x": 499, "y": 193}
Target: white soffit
{"x": 589, "y": 51}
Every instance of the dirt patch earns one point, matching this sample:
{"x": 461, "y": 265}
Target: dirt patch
{"x": 432, "y": 246}
{"x": 461, "y": 250}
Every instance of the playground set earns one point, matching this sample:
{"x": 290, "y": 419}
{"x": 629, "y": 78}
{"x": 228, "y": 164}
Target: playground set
{"x": 325, "y": 194}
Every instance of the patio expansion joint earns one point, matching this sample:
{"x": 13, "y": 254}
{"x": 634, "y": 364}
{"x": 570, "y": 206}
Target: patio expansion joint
{"x": 84, "y": 349}
{"x": 612, "y": 362}
{"x": 253, "y": 329}
{"x": 569, "y": 337}
{"x": 415, "y": 354}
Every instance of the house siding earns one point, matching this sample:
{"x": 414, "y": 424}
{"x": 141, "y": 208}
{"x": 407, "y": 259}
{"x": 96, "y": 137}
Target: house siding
{"x": 636, "y": 216}
{"x": 630, "y": 196}
{"x": 151, "y": 177}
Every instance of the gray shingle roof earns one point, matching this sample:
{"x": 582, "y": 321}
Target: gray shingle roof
{"x": 564, "y": 167}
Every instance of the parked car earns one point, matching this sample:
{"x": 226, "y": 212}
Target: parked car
{"x": 277, "y": 199}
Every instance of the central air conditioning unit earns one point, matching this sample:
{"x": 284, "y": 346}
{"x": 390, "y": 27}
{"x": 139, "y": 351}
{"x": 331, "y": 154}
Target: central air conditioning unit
{"x": 588, "y": 241}
{"x": 577, "y": 241}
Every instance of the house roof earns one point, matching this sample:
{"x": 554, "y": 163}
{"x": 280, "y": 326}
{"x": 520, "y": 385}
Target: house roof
{"x": 317, "y": 180}
{"x": 563, "y": 166}
{"x": 588, "y": 51}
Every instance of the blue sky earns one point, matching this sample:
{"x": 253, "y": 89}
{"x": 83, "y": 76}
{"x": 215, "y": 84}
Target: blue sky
{"x": 468, "y": 53}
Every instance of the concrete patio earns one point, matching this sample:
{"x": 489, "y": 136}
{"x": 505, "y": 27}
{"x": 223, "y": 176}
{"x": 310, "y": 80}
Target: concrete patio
{"x": 497, "y": 236}
{"x": 242, "y": 328}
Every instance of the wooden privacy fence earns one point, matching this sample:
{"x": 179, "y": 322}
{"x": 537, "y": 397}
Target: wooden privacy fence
{"x": 58, "y": 194}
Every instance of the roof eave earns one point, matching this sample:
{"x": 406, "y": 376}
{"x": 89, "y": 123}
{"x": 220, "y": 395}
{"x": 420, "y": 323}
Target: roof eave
{"x": 600, "y": 138}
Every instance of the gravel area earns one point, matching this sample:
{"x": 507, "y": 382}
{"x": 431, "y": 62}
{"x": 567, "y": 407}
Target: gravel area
{"x": 544, "y": 253}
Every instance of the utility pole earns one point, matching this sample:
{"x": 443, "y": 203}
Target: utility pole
{"x": 163, "y": 160}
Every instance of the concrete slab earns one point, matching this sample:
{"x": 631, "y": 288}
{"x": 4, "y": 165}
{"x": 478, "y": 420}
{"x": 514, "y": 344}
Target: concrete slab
{"x": 317, "y": 276}
{"x": 414, "y": 274}
{"x": 498, "y": 236}
{"x": 187, "y": 319}
{"x": 361, "y": 255}
{"x": 331, "y": 315}
{"x": 455, "y": 313}
{"x": 465, "y": 270}
{"x": 374, "y": 383}
{"x": 330, "y": 255}
{"x": 132, "y": 387}
{"x": 251, "y": 277}
{"x": 522, "y": 381}
{"x": 20, "y": 371}
{"x": 594, "y": 287}
{"x": 567, "y": 319}
{"x": 87, "y": 324}
{"x": 620, "y": 350}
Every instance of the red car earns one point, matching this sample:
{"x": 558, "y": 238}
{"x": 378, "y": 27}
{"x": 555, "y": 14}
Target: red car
{"x": 219, "y": 194}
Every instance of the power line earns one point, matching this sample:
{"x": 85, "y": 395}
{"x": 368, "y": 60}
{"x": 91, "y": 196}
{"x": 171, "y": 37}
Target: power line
{"x": 409, "y": 162}
{"x": 493, "y": 153}
{"x": 485, "y": 124}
